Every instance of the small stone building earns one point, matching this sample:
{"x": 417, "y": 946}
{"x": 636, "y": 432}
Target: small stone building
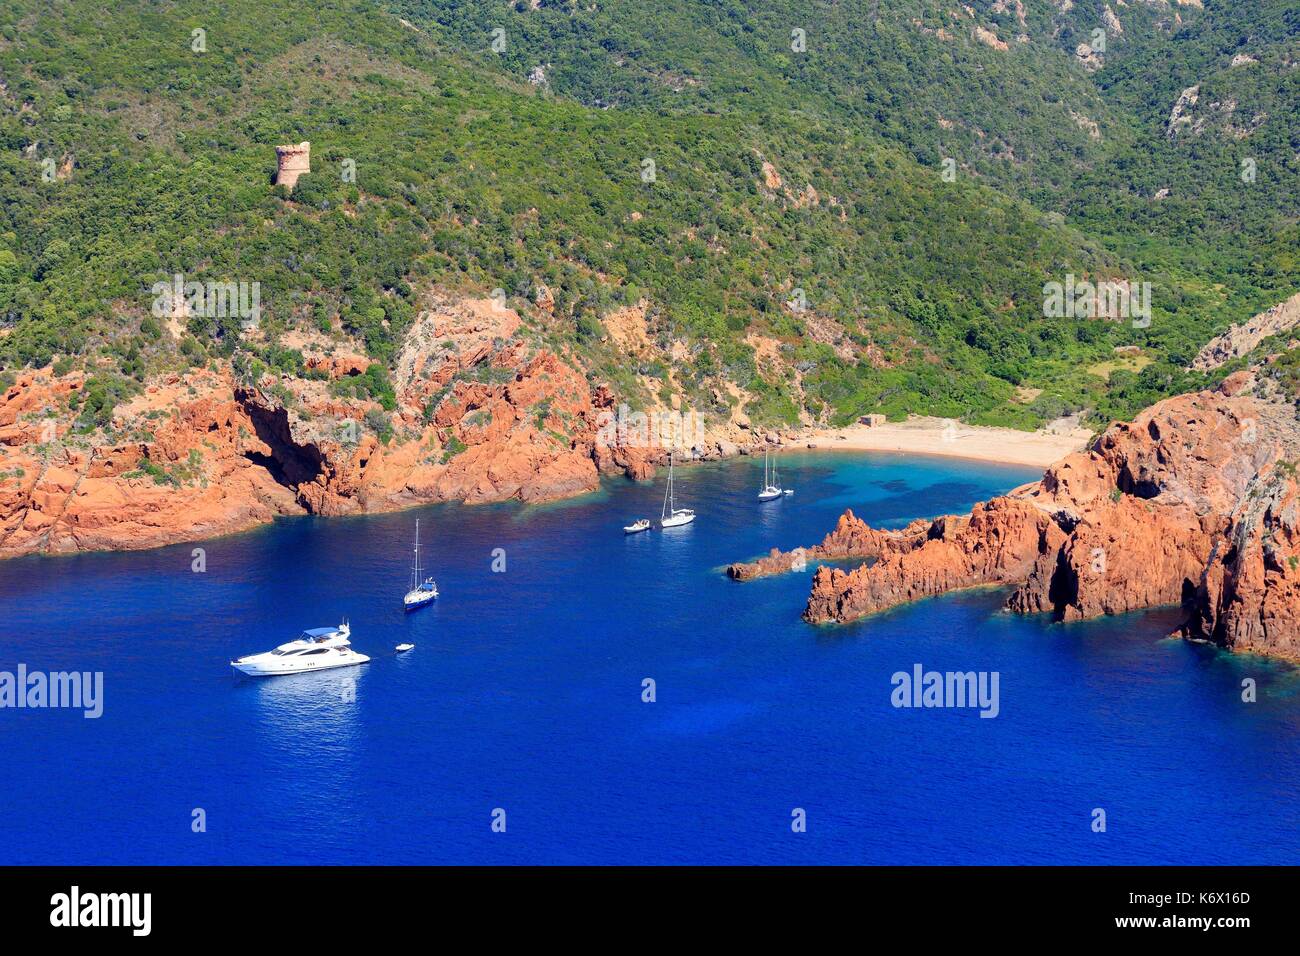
{"x": 294, "y": 161}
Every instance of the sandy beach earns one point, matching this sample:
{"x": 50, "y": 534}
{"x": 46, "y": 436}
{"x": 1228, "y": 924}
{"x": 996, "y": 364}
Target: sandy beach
{"x": 939, "y": 436}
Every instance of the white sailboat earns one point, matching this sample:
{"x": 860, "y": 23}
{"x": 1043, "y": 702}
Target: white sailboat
{"x": 771, "y": 489}
{"x": 673, "y": 516}
{"x": 420, "y": 592}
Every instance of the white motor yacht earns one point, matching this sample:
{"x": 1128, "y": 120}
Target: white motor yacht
{"x": 641, "y": 524}
{"x": 318, "y": 649}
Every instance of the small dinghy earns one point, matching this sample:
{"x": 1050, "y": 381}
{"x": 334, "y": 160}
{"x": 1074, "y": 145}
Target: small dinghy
{"x": 637, "y": 526}
{"x": 400, "y": 648}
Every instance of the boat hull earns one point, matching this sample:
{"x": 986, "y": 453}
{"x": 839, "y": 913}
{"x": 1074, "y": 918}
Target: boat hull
{"x": 257, "y": 668}
{"x": 415, "y": 602}
{"x": 769, "y": 494}
{"x": 676, "y": 521}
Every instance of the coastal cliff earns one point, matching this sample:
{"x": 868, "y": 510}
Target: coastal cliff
{"x": 1195, "y": 504}
{"x": 478, "y": 413}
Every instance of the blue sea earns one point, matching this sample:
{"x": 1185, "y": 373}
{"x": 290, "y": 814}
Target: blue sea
{"x": 522, "y": 701}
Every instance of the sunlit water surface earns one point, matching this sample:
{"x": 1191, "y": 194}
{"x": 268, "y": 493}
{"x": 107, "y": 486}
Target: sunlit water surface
{"x": 524, "y": 693}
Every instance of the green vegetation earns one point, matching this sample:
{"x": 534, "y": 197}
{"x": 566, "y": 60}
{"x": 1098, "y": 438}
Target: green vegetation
{"x": 453, "y": 448}
{"x": 96, "y": 401}
{"x": 922, "y": 295}
{"x": 373, "y": 384}
{"x": 380, "y": 424}
{"x": 177, "y": 475}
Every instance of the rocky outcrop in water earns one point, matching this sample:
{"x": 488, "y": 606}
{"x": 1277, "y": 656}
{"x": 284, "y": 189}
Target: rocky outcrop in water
{"x": 997, "y": 543}
{"x": 852, "y": 539}
{"x": 1195, "y": 504}
{"x": 1248, "y": 597}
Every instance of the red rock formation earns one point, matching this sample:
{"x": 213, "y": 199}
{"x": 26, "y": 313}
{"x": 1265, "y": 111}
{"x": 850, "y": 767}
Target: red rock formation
{"x": 1249, "y": 594}
{"x": 75, "y": 496}
{"x": 1193, "y": 503}
{"x": 337, "y": 366}
{"x": 852, "y": 539}
{"x": 997, "y": 544}
{"x": 29, "y": 409}
{"x": 481, "y": 416}
{"x": 1145, "y": 507}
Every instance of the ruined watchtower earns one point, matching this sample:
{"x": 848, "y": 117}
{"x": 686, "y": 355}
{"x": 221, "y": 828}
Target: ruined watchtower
{"x": 294, "y": 161}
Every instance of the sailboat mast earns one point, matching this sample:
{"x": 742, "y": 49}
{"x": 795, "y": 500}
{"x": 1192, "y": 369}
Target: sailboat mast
{"x": 668, "y": 492}
{"x": 415, "y": 568}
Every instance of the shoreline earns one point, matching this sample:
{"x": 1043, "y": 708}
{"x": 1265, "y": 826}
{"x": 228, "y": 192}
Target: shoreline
{"x": 917, "y": 436}
{"x": 949, "y": 439}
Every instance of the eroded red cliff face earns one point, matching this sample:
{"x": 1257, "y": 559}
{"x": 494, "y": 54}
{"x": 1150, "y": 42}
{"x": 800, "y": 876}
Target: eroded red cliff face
{"x": 59, "y": 493}
{"x": 997, "y": 543}
{"x": 482, "y": 415}
{"x": 1248, "y": 598}
{"x": 1194, "y": 503}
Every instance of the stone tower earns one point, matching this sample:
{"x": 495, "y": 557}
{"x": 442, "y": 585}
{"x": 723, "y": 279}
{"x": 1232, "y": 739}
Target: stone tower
{"x": 294, "y": 161}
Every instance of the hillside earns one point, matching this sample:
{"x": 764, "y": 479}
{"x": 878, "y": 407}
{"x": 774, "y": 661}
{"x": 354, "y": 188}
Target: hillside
{"x": 1040, "y": 96}
{"x": 905, "y": 269}
{"x": 1069, "y": 106}
{"x": 668, "y": 208}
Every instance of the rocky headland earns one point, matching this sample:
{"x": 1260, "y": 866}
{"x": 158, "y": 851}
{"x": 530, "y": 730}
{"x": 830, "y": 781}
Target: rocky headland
{"x": 480, "y": 413}
{"x": 1194, "y": 504}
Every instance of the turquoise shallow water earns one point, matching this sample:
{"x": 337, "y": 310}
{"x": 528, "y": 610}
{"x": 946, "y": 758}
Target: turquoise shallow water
{"x": 524, "y": 693}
